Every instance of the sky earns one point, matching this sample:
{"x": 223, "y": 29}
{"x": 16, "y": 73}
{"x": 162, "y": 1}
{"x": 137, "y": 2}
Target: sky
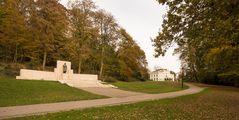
{"x": 142, "y": 19}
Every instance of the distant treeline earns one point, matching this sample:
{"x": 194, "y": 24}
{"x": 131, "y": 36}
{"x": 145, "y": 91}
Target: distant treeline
{"x": 207, "y": 35}
{"x": 36, "y": 33}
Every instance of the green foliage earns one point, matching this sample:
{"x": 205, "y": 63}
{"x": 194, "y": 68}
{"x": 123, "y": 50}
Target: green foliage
{"x": 230, "y": 76}
{"x": 10, "y": 69}
{"x": 206, "y": 33}
{"x": 229, "y": 79}
{"x": 19, "y": 92}
{"x": 110, "y": 79}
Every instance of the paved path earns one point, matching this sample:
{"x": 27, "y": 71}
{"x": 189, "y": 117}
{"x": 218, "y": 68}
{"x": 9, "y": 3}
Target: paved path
{"x": 28, "y": 110}
{"x": 111, "y": 92}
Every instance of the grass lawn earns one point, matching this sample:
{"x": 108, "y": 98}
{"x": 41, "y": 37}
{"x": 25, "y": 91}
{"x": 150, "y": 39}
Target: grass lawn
{"x": 150, "y": 86}
{"x": 21, "y": 92}
{"x": 214, "y": 103}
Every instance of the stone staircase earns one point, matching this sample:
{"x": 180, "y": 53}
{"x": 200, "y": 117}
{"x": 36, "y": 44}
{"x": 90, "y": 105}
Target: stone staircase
{"x": 83, "y": 83}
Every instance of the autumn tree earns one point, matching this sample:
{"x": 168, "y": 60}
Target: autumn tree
{"x": 36, "y": 33}
{"x": 48, "y": 24}
{"x": 108, "y": 34}
{"x": 204, "y": 31}
{"x": 132, "y": 59}
{"x": 15, "y": 33}
{"x": 82, "y": 30}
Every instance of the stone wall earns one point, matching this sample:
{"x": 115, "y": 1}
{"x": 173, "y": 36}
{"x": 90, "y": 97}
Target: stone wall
{"x": 75, "y": 80}
{"x": 37, "y": 75}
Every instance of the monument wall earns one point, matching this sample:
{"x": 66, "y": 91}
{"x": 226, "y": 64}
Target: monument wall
{"x": 63, "y": 75}
{"x": 37, "y": 75}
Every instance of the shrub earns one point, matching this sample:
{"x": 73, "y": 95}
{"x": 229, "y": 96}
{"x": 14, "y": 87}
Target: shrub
{"x": 10, "y": 69}
{"x": 110, "y": 79}
{"x": 229, "y": 79}
{"x": 209, "y": 77}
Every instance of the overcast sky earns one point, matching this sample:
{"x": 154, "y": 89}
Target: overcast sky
{"x": 142, "y": 19}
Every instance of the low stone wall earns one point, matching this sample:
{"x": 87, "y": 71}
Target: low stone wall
{"x": 37, "y": 75}
{"x": 53, "y": 76}
{"x": 69, "y": 78}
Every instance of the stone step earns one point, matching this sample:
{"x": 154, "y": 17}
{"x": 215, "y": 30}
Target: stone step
{"x": 86, "y": 83}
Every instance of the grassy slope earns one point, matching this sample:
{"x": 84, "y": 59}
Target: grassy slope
{"x": 20, "y": 92}
{"x": 213, "y": 103}
{"x": 150, "y": 86}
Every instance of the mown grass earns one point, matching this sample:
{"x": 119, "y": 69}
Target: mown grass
{"x": 150, "y": 86}
{"x": 214, "y": 103}
{"x": 21, "y": 92}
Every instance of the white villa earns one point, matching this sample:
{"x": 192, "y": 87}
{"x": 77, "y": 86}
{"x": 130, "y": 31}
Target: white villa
{"x": 161, "y": 74}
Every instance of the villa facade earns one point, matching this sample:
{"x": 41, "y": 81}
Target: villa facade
{"x": 161, "y": 74}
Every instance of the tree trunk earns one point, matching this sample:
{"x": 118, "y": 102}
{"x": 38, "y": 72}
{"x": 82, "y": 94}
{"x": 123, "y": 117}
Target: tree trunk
{"x": 21, "y": 59}
{"x": 79, "y": 65}
{"x": 16, "y": 54}
{"x": 195, "y": 74}
{"x": 44, "y": 59}
{"x": 102, "y": 64}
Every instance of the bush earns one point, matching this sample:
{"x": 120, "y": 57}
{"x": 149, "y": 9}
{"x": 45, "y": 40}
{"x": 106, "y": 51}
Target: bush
{"x": 132, "y": 79}
{"x": 110, "y": 79}
{"x": 142, "y": 79}
{"x": 231, "y": 79}
{"x": 10, "y": 69}
{"x": 209, "y": 78}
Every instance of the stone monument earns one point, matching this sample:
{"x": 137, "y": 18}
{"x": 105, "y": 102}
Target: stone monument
{"x": 64, "y": 74}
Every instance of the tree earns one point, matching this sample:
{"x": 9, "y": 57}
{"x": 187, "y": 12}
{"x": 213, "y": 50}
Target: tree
{"x": 1, "y": 14}
{"x": 36, "y": 33}
{"x": 203, "y": 30}
{"x": 134, "y": 66}
{"x": 81, "y": 12}
{"x": 108, "y": 34}
{"x": 48, "y": 24}
{"x": 12, "y": 29}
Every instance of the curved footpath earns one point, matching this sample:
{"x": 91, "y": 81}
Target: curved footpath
{"x": 111, "y": 92}
{"x": 38, "y": 109}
